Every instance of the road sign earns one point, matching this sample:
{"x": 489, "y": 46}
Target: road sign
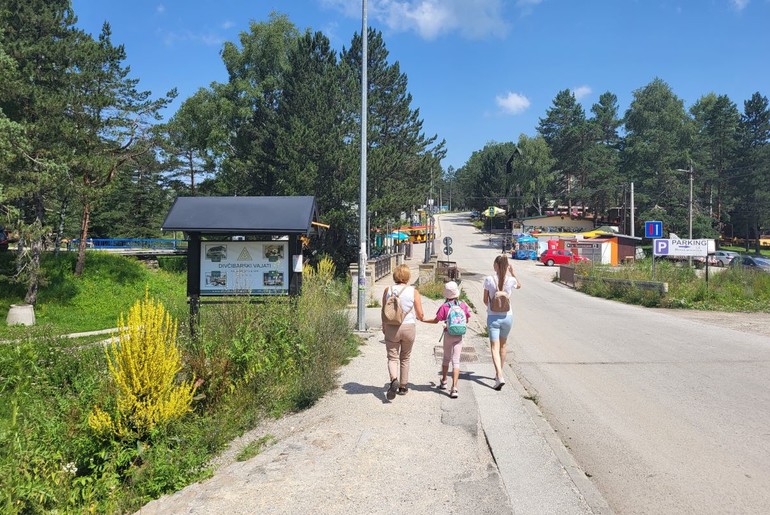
{"x": 448, "y": 250}
{"x": 447, "y": 240}
{"x": 653, "y": 229}
{"x": 676, "y": 247}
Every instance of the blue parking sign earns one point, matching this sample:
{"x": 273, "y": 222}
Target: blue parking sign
{"x": 653, "y": 229}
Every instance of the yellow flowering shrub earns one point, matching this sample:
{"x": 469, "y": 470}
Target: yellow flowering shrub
{"x": 144, "y": 361}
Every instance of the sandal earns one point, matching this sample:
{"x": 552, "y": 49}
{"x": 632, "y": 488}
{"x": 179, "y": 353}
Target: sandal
{"x": 392, "y": 390}
{"x": 453, "y": 393}
{"x": 402, "y": 390}
{"x": 442, "y": 385}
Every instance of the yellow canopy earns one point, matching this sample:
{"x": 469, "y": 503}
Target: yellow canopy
{"x": 493, "y": 211}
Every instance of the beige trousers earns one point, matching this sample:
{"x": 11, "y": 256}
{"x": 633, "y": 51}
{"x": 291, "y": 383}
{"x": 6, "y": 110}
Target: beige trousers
{"x": 398, "y": 342}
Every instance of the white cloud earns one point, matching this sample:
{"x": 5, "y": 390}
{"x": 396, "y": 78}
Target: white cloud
{"x": 473, "y": 19}
{"x": 740, "y": 4}
{"x": 581, "y": 91}
{"x": 513, "y": 103}
{"x": 160, "y": 9}
{"x": 228, "y": 24}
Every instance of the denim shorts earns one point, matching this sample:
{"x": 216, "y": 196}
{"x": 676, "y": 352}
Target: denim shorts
{"x": 499, "y": 325}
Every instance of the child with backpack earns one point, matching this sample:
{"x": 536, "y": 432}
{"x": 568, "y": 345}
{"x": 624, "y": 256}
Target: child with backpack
{"x": 455, "y": 313}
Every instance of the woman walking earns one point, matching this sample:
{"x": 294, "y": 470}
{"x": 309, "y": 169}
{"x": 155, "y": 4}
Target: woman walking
{"x": 400, "y": 331}
{"x": 497, "y": 292}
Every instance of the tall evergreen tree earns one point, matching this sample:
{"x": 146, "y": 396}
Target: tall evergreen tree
{"x": 313, "y": 126}
{"x": 602, "y": 155}
{"x": 483, "y": 181}
{"x": 564, "y": 129}
{"x": 112, "y": 120}
{"x": 38, "y": 38}
{"x": 715, "y": 145}
{"x": 403, "y": 163}
{"x": 193, "y": 139}
{"x": 753, "y": 176}
{"x": 658, "y": 141}
{"x": 250, "y": 99}
{"x": 533, "y": 175}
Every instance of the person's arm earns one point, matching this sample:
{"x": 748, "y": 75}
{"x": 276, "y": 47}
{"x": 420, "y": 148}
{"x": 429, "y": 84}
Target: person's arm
{"x": 438, "y": 318}
{"x": 486, "y": 297}
{"x": 518, "y": 283}
{"x": 418, "y": 305}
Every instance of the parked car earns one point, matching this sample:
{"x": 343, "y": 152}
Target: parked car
{"x": 697, "y": 261}
{"x": 724, "y": 257}
{"x": 760, "y": 263}
{"x": 560, "y": 257}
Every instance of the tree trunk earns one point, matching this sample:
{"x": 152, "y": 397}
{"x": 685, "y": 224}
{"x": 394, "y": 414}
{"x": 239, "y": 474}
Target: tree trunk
{"x": 84, "y": 222}
{"x": 60, "y": 227}
{"x": 191, "y": 164}
{"x": 35, "y": 237}
{"x": 36, "y": 249}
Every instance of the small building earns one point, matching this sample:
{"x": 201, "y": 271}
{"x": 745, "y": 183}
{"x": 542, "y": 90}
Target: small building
{"x": 600, "y": 246}
{"x": 552, "y": 224}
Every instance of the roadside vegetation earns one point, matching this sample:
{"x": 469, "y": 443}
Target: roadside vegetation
{"x": 730, "y": 289}
{"x": 81, "y": 432}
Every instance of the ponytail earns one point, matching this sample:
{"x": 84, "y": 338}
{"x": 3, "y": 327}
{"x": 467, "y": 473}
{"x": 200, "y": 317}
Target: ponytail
{"x": 501, "y": 263}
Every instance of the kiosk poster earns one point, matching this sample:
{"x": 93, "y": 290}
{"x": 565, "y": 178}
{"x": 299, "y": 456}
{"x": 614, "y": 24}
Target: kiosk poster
{"x": 244, "y": 267}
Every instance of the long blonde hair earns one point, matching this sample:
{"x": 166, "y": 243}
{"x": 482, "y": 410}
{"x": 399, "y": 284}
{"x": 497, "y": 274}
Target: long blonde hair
{"x": 501, "y": 267}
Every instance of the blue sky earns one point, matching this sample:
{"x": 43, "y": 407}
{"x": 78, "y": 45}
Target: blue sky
{"x": 478, "y": 70}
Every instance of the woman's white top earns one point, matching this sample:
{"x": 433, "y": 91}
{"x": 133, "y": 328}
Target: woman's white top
{"x": 490, "y": 284}
{"x": 406, "y": 299}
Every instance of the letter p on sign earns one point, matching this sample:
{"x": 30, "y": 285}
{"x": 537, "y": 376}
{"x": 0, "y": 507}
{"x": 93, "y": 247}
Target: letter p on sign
{"x": 660, "y": 247}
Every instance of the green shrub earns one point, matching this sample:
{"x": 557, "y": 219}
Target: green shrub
{"x": 731, "y": 289}
{"x": 176, "y": 264}
{"x": 257, "y": 359}
{"x": 433, "y": 290}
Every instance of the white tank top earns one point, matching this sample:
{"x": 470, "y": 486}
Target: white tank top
{"x": 406, "y": 299}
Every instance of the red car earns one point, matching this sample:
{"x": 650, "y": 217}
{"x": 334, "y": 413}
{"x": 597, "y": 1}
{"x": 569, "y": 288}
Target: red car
{"x": 560, "y": 257}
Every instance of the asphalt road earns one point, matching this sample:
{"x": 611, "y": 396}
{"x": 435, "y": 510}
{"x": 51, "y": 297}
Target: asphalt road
{"x": 666, "y": 412}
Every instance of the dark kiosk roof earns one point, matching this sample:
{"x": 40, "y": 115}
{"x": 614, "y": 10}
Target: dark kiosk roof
{"x": 243, "y": 215}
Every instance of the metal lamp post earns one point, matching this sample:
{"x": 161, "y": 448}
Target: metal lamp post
{"x": 362, "y": 235}
{"x": 690, "y": 171}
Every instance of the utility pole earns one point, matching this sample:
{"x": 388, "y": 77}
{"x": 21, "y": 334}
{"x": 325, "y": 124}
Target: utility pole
{"x": 689, "y": 171}
{"x": 633, "y": 228}
{"x": 362, "y": 235}
{"x": 690, "y": 237}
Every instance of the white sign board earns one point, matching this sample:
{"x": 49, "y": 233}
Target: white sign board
{"x": 677, "y": 247}
{"x": 244, "y": 267}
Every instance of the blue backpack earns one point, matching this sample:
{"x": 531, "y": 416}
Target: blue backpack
{"x": 456, "y": 321}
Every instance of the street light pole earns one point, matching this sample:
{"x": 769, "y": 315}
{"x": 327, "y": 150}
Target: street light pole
{"x": 690, "y": 201}
{"x": 689, "y": 171}
{"x": 362, "y": 236}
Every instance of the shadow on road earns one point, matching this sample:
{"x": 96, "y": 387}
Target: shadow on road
{"x": 379, "y": 391}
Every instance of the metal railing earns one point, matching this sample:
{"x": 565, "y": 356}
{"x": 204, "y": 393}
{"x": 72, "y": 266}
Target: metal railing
{"x": 130, "y": 243}
{"x": 382, "y": 265}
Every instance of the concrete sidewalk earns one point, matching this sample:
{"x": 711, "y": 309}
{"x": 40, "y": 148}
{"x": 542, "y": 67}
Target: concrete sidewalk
{"x": 422, "y": 453}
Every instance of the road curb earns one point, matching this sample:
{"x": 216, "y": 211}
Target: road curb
{"x": 591, "y": 494}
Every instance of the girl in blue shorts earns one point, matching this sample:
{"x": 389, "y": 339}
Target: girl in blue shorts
{"x": 497, "y": 291}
